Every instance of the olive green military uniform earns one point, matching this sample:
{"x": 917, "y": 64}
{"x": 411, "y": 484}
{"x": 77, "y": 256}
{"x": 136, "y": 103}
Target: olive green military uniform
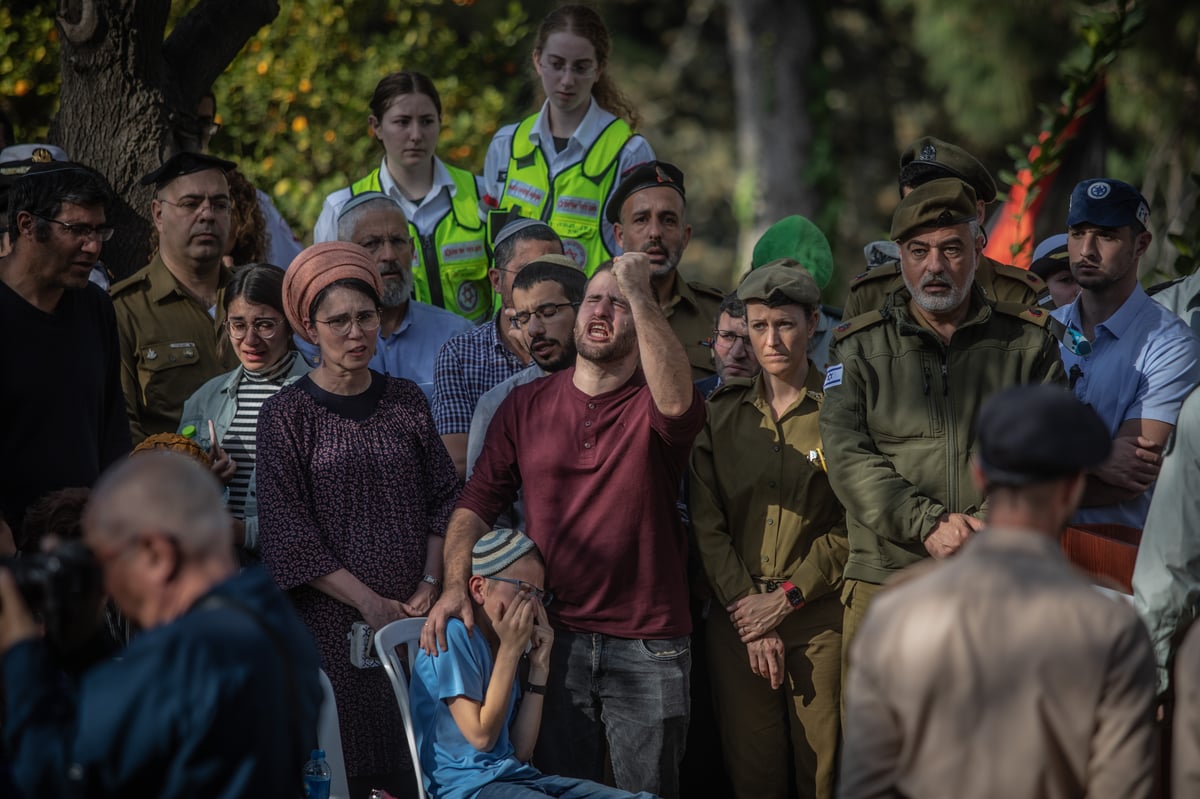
{"x": 998, "y": 282}
{"x": 168, "y": 346}
{"x": 692, "y": 314}
{"x": 898, "y": 423}
{"x": 763, "y": 512}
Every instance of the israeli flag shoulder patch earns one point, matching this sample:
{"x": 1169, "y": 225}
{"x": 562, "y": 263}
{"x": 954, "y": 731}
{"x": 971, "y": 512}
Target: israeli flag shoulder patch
{"x": 833, "y": 377}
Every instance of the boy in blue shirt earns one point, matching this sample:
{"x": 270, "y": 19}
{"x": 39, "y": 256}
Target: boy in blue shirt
{"x": 474, "y": 738}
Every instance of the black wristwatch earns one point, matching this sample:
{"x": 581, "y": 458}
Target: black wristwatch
{"x": 530, "y": 688}
{"x": 794, "y": 597}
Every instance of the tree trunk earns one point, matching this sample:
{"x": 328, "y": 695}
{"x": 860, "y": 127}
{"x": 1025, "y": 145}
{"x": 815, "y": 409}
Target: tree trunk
{"x": 771, "y": 45}
{"x": 128, "y": 98}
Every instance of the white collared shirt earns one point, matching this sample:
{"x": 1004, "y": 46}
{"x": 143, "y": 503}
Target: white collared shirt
{"x": 636, "y": 151}
{"x": 424, "y": 215}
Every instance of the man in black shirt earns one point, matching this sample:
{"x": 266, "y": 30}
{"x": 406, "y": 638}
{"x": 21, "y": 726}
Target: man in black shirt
{"x": 62, "y": 413}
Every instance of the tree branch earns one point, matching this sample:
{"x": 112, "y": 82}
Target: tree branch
{"x": 208, "y": 38}
{"x": 81, "y": 32}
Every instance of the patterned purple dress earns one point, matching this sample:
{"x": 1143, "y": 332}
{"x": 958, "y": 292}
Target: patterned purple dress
{"x": 361, "y": 495}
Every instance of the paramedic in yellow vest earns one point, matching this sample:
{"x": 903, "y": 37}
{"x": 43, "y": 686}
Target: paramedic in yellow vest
{"x": 450, "y": 261}
{"x": 561, "y": 164}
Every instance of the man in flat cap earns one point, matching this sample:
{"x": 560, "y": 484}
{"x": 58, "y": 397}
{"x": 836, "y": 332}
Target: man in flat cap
{"x": 170, "y": 313}
{"x": 62, "y": 415}
{"x": 771, "y": 536}
{"x": 471, "y": 363}
{"x": 648, "y": 212}
{"x": 904, "y": 392}
{"x": 1003, "y": 672}
{"x": 1144, "y": 359}
{"x": 929, "y": 159}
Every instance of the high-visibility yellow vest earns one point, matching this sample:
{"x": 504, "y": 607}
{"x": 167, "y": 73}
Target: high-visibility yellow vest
{"x": 450, "y": 266}
{"x": 574, "y": 205}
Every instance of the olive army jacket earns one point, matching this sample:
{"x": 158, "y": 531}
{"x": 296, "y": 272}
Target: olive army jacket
{"x": 898, "y": 420}
{"x": 169, "y": 346}
{"x": 760, "y": 502}
{"x": 998, "y": 282}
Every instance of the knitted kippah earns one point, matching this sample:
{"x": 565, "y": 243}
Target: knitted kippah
{"x": 498, "y": 550}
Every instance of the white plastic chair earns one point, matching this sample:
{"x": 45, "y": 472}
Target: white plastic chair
{"x": 397, "y": 633}
{"x": 329, "y": 738}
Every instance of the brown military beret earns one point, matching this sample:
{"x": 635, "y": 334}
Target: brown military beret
{"x": 954, "y": 161}
{"x": 939, "y": 203}
{"x": 777, "y": 278}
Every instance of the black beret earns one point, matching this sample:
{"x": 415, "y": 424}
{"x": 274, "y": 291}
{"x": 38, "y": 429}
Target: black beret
{"x": 954, "y": 161}
{"x": 643, "y": 176}
{"x": 1037, "y": 433}
{"x": 182, "y": 164}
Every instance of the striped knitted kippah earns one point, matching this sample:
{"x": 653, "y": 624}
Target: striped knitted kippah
{"x": 498, "y": 550}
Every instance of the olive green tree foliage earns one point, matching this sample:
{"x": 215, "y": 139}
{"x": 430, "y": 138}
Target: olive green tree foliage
{"x": 29, "y": 70}
{"x": 1102, "y": 36}
{"x": 294, "y": 104}
{"x": 993, "y": 75}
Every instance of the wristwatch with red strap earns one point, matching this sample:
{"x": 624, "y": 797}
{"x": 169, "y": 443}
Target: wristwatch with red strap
{"x": 794, "y": 597}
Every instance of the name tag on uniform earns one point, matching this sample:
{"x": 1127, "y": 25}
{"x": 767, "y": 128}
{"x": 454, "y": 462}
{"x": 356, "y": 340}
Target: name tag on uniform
{"x": 578, "y": 206}
{"x": 463, "y": 251}
{"x": 524, "y": 192}
{"x": 833, "y": 377}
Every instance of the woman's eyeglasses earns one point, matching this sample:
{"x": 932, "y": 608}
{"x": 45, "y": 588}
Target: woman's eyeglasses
{"x": 264, "y": 327}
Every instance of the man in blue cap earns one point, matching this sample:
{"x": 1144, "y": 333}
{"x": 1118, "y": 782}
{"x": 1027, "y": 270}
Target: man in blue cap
{"x": 1002, "y": 671}
{"x": 1144, "y": 359}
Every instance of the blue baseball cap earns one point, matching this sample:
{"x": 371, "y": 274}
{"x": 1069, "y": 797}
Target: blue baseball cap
{"x": 1107, "y": 203}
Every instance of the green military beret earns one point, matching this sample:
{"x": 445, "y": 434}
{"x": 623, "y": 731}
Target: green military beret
{"x": 798, "y": 238}
{"x": 939, "y": 203}
{"x": 777, "y": 278}
{"x": 954, "y": 161}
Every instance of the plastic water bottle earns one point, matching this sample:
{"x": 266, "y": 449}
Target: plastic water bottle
{"x": 317, "y": 776}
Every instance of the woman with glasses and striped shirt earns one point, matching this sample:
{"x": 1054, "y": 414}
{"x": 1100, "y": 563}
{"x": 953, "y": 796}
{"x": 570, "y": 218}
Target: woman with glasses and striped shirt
{"x": 222, "y": 416}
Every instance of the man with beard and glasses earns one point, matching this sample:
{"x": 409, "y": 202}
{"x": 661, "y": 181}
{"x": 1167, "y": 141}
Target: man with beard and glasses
{"x": 546, "y": 295}
{"x": 170, "y": 314}
{"x": 648, "y": 214}
{"x": 904, "y": 391}
{"x": 605, "y": 444}
{"x": 410, "y": 332}
{"x": 473, "y": 362}
{"x": 1144, "y": 359}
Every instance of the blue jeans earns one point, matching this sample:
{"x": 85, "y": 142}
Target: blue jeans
{"x": 562, "y": 787}
{"x": 631, "y": 695}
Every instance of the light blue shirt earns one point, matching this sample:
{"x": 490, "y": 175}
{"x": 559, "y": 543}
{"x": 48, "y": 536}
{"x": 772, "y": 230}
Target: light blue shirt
{"x": 454, "y": 769}
{"x": 1143, "y": 364}
{"x": 411, "y": 351}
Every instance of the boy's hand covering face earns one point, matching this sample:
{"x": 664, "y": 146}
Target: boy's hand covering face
{"x": 542, "y": 639}
{"x": 515, "y": 625}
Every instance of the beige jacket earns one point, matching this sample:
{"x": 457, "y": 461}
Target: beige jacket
{"x": 1000, "y": 673}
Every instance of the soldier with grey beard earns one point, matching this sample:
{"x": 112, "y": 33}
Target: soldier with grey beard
{"x": 410, "y": 332}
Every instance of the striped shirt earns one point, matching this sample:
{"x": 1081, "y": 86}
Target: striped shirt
{"x": 253, "y": 390}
